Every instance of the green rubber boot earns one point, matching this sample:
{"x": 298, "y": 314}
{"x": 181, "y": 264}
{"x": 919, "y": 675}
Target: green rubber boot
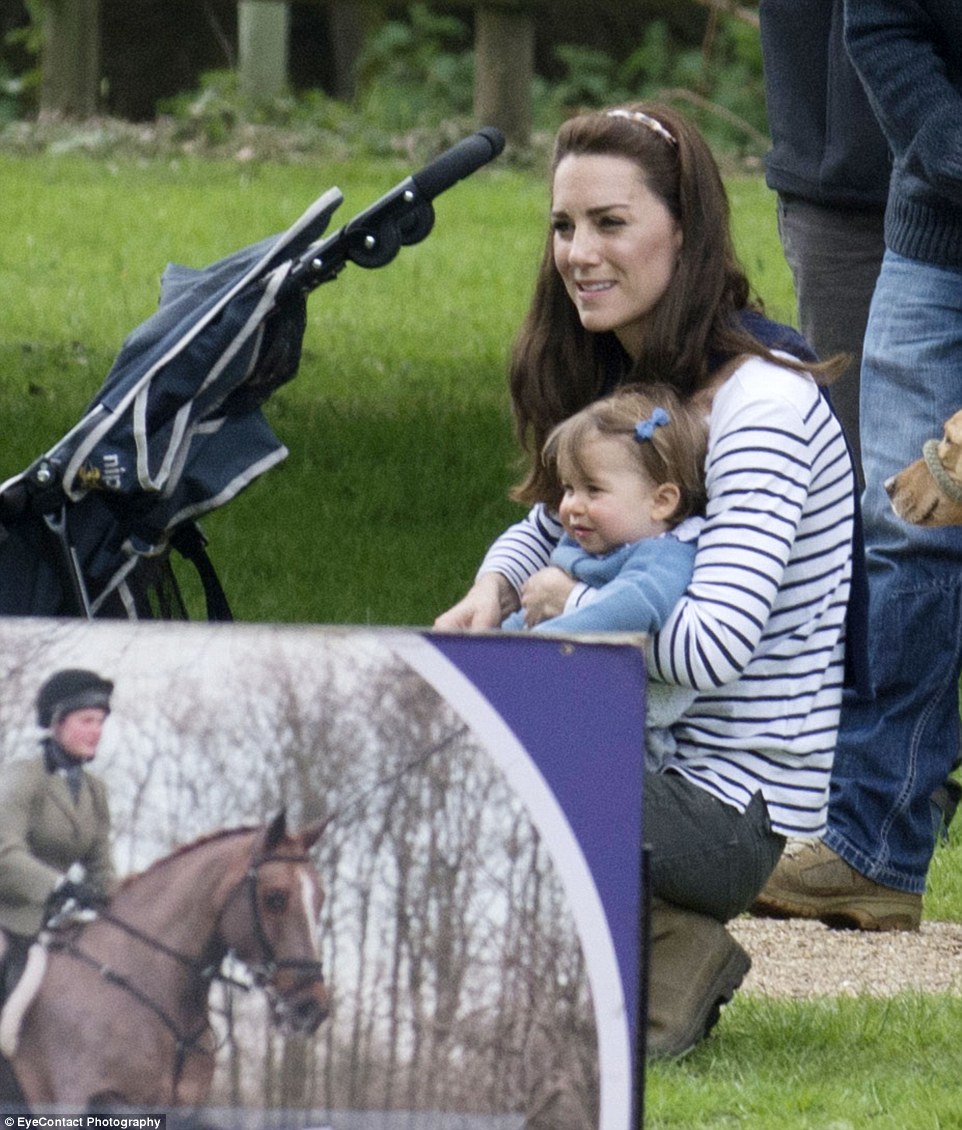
{"x": 695, "y": 968}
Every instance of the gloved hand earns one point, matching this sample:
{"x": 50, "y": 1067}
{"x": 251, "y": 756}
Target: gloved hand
{"x": 72, "y": 898}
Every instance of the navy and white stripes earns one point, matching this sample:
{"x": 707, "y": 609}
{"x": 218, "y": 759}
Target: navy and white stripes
{"x": 760, "y": 631}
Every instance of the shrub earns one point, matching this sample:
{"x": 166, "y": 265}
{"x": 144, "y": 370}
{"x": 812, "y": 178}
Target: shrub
{"x": 417, "y": 71}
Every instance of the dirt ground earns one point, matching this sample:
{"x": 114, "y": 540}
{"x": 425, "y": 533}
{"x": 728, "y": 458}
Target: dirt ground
{"x": 797, "y": 958}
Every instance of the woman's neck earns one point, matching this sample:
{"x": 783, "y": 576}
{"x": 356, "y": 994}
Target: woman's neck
{"x": 56, "y": 757}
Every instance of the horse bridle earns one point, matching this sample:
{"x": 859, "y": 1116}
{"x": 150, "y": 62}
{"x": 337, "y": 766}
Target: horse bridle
{"x": 262, "y": 973}
{"x": 269, "y": 965}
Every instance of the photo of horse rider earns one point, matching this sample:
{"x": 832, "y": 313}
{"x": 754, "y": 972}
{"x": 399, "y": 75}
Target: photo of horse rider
{"x": 54, "y": 817}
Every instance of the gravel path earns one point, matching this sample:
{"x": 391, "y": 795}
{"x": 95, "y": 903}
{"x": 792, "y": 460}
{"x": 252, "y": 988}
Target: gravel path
{"x": 798, "y": 958}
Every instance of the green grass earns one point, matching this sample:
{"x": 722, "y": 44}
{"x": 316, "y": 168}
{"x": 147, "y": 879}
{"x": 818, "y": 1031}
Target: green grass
{"x": 401, "y": 457}
{"x": 943, "y": 896}
{"x": 843, "y": 1064}
{"x": 398, "y": 423}
{"x": 756, "y": 239}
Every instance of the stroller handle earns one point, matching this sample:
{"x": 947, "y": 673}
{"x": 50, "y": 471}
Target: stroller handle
{"x": 459, "y": 161}
{"x": 401, "y": 217}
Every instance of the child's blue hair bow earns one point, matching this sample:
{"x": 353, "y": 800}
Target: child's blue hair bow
{"x": 645, "y": 429}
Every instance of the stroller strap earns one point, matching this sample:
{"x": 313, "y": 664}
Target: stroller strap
{"x": 191, "y": 544}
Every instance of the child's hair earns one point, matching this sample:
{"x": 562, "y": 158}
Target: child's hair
{"x": 667, "y": 437}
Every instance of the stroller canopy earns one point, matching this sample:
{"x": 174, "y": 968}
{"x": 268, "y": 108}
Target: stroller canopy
{"x": 177, "y": 429}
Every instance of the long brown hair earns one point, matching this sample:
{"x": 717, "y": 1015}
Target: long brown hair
{"x": 557, "y": 367}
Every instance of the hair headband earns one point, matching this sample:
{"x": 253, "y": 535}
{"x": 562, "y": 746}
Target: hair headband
{"x": 647, "y": 121}
{"x": 645, "y": 429}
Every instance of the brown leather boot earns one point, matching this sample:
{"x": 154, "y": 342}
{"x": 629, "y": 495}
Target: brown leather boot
{"x": 696, "y": 966}
{"x": 811, "y": 881}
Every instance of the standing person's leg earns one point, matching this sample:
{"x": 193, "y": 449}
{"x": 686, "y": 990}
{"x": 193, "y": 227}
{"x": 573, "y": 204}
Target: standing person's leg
{"x": 895, "y": 750}
{"x": 707, "y": 863}
{"x": 912, "y": 382}
{"x": 834, "y": 255}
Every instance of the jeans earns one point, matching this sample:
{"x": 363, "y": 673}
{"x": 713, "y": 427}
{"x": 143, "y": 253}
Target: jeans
{"x": 894, "y": 750}
{"x": 705, "y": 855}
{"x": 834, "y": 255}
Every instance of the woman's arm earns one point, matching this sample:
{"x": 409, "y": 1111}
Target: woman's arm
{"x": 518, "y": 554}
{"x": 524, "y": 548}
{"x": 759, "y": 472}
{"x": 24, "y": 879}
{"x": 485, "y": 605}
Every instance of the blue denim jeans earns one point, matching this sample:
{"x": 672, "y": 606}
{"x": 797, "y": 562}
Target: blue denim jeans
{"x": 893, "y": 751}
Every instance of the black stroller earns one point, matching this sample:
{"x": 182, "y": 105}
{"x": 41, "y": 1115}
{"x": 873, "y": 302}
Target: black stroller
{"x": 176, "y": 429}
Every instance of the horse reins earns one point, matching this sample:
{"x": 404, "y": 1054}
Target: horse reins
{"x": 262, "y": 972}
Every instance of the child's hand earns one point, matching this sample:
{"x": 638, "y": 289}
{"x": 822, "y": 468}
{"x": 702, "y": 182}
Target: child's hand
{"x": 544, "y": 595}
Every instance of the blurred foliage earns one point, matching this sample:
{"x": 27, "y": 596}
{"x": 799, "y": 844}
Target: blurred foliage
{"x": 719, "y": 83}
{"x": 417, "y": 71}
{"x": 415, "y": 76}
{"x": 20, "y": 60}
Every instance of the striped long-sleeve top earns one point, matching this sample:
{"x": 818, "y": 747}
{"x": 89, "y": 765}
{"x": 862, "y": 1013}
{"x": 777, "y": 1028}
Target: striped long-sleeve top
{"x": 760, "y": 631}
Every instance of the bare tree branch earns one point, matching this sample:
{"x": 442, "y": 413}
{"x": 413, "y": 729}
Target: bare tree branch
{"x": 731, "y": 8}
{"x": 682, "y": 94}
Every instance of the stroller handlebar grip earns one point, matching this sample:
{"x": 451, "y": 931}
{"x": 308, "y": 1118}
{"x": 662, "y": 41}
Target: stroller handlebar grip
{"x": 403, "y": 216}
{"x": 459, "y": 161}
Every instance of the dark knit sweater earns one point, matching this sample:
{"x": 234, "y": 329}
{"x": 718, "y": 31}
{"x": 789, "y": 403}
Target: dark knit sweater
{"x": 827, "y": 147}
{"x": 909, "y": 55}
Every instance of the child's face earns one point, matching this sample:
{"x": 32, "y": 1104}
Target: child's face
{"x": 609, "y": 501}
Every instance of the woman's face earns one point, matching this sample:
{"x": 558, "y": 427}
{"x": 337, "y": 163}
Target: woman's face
{"x": 616, "y": 244}
{"x": 79, "y": 732}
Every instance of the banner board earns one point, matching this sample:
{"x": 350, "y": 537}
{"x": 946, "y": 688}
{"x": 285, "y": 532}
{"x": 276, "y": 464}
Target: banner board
{"x": 481, "y": 855}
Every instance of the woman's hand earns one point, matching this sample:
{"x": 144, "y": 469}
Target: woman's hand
{"x": 489, "y": 600}
{"x": 544, "y": 595}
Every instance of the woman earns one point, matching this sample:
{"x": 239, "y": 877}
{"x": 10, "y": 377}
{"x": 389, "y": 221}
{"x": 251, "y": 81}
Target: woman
{"x": 54, "y": 814}
{"x": 639, "y": 283}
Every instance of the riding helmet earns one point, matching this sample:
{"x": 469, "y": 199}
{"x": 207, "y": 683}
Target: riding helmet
{"x": 70, "y": 690}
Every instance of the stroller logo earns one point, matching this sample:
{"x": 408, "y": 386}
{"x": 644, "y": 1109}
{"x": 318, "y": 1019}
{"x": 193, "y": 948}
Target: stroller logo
{"x": 109, "y": 476}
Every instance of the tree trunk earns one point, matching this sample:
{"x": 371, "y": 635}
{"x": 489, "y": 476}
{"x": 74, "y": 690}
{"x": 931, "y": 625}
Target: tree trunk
{"x": 262, "y": 34}
{"x": 504, "y": 67}
{"x": 349, "y": 22}
{"x": 71, "y": 58}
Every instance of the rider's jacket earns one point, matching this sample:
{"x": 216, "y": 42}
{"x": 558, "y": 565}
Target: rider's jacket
{"x": 43, "y": 830}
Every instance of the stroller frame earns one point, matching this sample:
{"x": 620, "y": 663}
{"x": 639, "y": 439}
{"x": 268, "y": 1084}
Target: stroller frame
{"x": 176, "y": 429}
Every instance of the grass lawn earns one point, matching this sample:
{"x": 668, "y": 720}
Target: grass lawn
{"x": 398, "y": 424}
{"x": 401, "y": 457}
{"x": 845, "y": 1064}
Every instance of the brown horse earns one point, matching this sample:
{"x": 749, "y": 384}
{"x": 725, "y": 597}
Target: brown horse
{"x": 121, "y": 1017}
